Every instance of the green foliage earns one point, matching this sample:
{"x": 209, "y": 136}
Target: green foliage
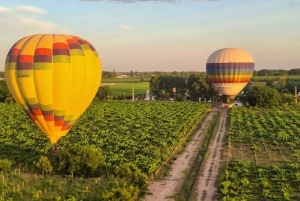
{"x": 5, "y": 165}
{"x": 162, "y": 86}
{"x": 44, "y": 165}
{"x": 136, "y": 138}
{"x": 264, "y": 96}
{"x": 80, "y": 159}
{"x": 4, "y": 93}
{"x": 200, "y": 87}
{"x": 104, "y": 93}
{"x": 264, "y": 149}
{"x": 288, "y": 98}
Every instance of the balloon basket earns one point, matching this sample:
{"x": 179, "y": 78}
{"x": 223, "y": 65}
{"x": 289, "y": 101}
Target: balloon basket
{"x": 55, "y": 152}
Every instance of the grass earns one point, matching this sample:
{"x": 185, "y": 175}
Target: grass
{"x": 126, "y": 88}
{"x": 266, "y": 78}
{"x": 124, "y": 80}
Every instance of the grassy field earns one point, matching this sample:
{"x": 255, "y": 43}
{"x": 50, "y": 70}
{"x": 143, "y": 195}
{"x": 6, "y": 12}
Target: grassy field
{"x": 124, "y": 80}
{"x": 266, "y": 78}
{"x": 126, "y": 88}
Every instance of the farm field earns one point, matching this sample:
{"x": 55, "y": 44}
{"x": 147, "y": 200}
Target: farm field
{"x": 124, "y": 80}
{"x": 126, "y": 88}
{"x": 266, "y": 78}
{"x": 136, "y": 137}
{"x": 264, "y": 155}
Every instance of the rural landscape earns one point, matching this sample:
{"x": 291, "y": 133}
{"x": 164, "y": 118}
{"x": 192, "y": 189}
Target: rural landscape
{"x": 134, "y": 149}
{"x": 149, "y": 100}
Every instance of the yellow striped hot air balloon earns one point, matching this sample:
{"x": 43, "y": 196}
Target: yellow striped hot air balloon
{"x": 229, "y": 70}
{"x": 54, "y": 78}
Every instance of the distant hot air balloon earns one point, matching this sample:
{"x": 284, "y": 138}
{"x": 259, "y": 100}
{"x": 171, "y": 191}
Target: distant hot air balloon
{"x": 229, "y": 70}
{"x": 54, "y": 78}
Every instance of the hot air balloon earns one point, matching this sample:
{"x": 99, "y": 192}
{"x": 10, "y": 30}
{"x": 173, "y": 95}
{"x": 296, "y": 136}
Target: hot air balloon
{"x": 54, "y": 77}
{"x": 229, "y": 70}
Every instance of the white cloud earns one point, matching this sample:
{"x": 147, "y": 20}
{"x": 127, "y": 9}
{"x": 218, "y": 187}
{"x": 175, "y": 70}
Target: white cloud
{"x": 19, "y": 23}
{"x": 31, "y": 9}
{"x": 124, "y": 26}
{"x": 3, "y": 9}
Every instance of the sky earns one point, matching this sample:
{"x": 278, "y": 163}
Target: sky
{"x": 162, "y": 35}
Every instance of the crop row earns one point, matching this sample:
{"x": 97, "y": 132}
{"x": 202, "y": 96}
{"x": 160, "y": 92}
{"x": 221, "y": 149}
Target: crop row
{"x": 264, "y": 153}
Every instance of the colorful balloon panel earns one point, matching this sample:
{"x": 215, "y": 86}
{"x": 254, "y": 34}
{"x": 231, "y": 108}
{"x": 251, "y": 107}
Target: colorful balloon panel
{"x": 54, "y": 78}
{"x": 229, "y": 70}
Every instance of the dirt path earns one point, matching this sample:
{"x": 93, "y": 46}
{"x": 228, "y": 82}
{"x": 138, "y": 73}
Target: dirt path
{"x": 205, "y": 187}
{"x": 162, "y": 190}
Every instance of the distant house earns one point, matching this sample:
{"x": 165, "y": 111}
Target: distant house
{"x": 122, "y": 76}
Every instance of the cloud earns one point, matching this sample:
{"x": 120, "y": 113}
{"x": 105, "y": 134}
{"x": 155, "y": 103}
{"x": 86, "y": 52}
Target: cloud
{"x": 26, "y": 20}
{"x": 3, "y": 9}
{"x": 31, "y": 9}
{"x": 123, "y": 26}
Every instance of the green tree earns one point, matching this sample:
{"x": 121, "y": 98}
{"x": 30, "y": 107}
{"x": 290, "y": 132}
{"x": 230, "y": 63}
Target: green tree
{"x": 288, "y": 98}
{"x": 80, "y": 159}
{"x": 104, "y": 93}
{"x": 4, "y": 92}
{"x": 44, "y": 165}
{"x": 264, "y": 96}
{"x": 161, "y": 86}
{"x": 142, "y": 79}
{"x": 131, "y": 74}
{"x": 200, "y": 87}
{"x": 5, "y": 165}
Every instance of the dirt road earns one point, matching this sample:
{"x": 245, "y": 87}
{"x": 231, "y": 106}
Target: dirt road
{"x": 163, "y": 190}
{"x": 205, "y": 183}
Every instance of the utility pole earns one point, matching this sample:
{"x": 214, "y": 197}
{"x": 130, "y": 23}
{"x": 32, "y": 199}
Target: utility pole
{"x": 132, "y": 93}
{"x": 296, "y": 95}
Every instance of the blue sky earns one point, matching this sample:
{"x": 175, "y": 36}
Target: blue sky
{"x": 166, "y": 35}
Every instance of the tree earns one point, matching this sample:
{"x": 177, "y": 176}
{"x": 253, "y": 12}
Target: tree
{"x": 142, "y": 79}
{"x": 5, "y": 165}
{"x": 4, "y": 93}
{"x": 131, "y": 74}
{"x": 162, "y": 86}
{"x": 104, "y": 93}
{"x": 288, "y": 98}
{"x": 200, "y": 87}
{"x": 264, "y": 96}
{"x": 114, "y": 74}
{"x": 44, "y": 165}
{"x": 80, "y": 159}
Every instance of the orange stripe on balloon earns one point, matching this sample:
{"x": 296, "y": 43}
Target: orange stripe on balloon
{"x": 49, "y": 118}
{"x": 58, "y": 123}
{"x": 25, "y": 58}
{"x": 36, "y": 112}
{"x": 60, "y": 46}
{"x": 43, "y": 51}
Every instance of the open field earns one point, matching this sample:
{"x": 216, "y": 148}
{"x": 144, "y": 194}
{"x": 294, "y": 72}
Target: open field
{"x": 124, "y": 80}
{"x": 266, "y": 78}
{"x": 126, "y": 88}
{"x": 263, "y": 155}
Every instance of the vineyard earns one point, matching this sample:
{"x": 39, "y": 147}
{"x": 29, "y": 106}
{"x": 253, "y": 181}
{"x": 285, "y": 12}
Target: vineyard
{"x": 136, "y": 139}
{"x": 264, "y": 155}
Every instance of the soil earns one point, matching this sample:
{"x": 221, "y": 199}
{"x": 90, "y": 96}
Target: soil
{"x": 163, "y": 190}
{"x": 205, "y": 186}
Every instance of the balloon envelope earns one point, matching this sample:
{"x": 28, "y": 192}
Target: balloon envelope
{"x": 54, "y": 78}
{"x": 229, "y": 70}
